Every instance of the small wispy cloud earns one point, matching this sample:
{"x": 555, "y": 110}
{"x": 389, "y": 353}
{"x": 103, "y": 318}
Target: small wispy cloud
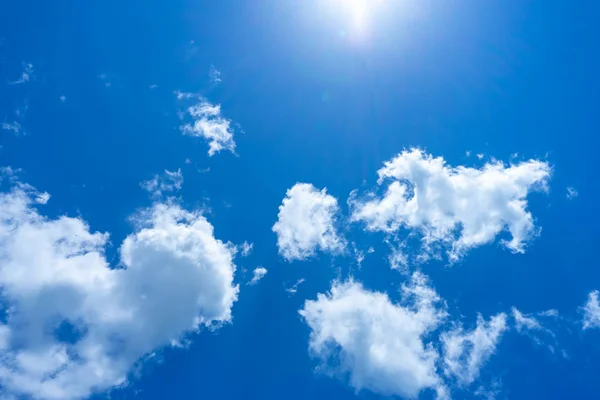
{"x": 105, "y": 79}
{"x": 210, "y": 124}
{"x": 170, "y": 181}
{"x": 591, "y": 311}
{"x": 63, "y": 98}
{"x": 214, "y": 74}
{"x": 26, "y": 75}
{"x": 292, "y": 290}
{"x": 13, "y": 127}
{"x": 571, "y": 193}
{"x": 259, "y": 273}
{"x": 246, "y": 248}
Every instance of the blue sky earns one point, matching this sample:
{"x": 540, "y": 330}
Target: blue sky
{"x": 301, "y": 199}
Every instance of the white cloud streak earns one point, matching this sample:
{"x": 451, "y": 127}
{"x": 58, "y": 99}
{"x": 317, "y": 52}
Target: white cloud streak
{"x": 465, "y": 353}
{"x": 25, "y": 75}
{"x": 591, "y": 311}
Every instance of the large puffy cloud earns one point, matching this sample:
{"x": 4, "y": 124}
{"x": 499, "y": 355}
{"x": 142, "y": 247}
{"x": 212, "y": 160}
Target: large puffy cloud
{"x": 210, "y": 124}
{"x": 306, "y": 223}
{"x": 74, "y": 325}
{"x": 458, "y": 207}
{"x": 379, "y": 345}
{"x": 465, "y": 353}
{"x": 591, "y": 311}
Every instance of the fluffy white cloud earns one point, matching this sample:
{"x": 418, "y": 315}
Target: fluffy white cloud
{"x": 259, "y": 273}
{"x": 591, "y": 311}
{"x": 307, "y": 222}
{"x": 209, "y": 124}
{"x": 377, "y": 344}
{"x": 458, "y": 207}
{"x": 170, "y": 181}
{"x": 465, "y": 353}
{"x": 75, "y": 326}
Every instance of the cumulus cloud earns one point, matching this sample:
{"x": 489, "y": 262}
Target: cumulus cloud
{"x": 258, "y": 274}
{"x": 591, "y": 311}
{"x": 75, "y": 325}
{"x": 465, "y": 353}
{"x": 209, "y": 124}
{"x": 169, "y": 181}
{"x": 377, "y": 344}
{"x": 306, "y": 223}
{"x": 457, "y": 207}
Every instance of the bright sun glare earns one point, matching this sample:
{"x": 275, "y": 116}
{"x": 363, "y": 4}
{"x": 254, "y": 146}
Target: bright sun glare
{"x": 358, "y": 13}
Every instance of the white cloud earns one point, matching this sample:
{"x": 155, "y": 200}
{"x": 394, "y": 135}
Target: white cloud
{"x": 246, "y": 248}
{"x": 398, "y": 259}
{"x": 170, "y": 181}
{"x": 465, "y": 353}
{"x": 13, "y": 127}
{"x": 259, "y": 273}
{"x": 75, "y": 326}
{"x": 525, "y": 322}
{"x": 571, "y": 193}
{"x": 214, "y": 74}
{"x": 25, "y": 75}
{"x": 306, "y": 222}
{"x": 209, "y": 124}
{"x": 292, "y": 290}
{"x": 377, "y": 344}
{"x": 105, "y": 79}
{"x": 591, "y": 311}
{"x": 458, "y": 207}
{"x": 531, "y": 327}
{"x": 549, "y": 313}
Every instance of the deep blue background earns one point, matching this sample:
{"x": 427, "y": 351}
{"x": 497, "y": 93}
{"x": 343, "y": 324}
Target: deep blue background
{"x": 493, "y": 77}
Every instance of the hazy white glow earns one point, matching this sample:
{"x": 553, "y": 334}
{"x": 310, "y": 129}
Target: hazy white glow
{"x": 357, "y": 13}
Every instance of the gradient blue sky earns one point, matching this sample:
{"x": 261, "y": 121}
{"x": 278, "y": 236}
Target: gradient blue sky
{"x": 313, "y": 98}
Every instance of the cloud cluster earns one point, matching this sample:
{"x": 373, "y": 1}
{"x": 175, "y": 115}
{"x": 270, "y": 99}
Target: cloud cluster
{"x": 457, "y": 207}
{"x": 74, "y": 325}
{"x": 379, "y": 345}
{"x": 209, "y": 124}
{"x": 306, "y": 223}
